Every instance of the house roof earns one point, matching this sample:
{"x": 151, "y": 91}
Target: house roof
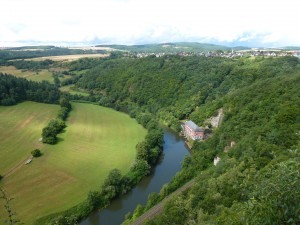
{"x": 193, "y": 126}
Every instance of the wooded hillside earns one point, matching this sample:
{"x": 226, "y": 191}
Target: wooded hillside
{"x": 256, "y": 181}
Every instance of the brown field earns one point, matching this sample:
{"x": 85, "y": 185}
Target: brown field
{"x": 95, "y": 48}
{"x": 69, "y": 57}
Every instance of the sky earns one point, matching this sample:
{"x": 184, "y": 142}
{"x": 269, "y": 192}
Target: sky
{"x": 256, "y": 23}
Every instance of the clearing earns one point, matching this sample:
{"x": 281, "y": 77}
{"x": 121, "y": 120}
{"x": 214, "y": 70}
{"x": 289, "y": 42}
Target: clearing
{"x": 70, "y": 89}
{"x": 28, "y": 74}
{"x": 96, "y": 141}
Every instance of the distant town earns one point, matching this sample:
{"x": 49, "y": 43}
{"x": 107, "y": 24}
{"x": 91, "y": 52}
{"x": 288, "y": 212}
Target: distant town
{"x": 225, "y": 54}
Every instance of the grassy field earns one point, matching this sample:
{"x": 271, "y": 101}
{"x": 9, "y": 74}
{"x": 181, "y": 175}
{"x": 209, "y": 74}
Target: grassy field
{"x": 96, "y": 140}
{"x": 28, "y": 74}
{"x": 20, "y": 129}
{"x": 69, "y": 89}
{"x": 69, "y": 57}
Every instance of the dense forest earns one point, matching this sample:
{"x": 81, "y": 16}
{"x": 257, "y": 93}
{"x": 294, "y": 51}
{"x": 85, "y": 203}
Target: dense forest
{"x": 257, "y": 180}
{"x": 14, "y": 90}
{"x": 30, "y": 65}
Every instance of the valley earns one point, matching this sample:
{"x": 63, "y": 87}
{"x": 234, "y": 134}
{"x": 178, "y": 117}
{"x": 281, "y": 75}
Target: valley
{"x": 113, "y": 137}
{"x": 95, "y": 141}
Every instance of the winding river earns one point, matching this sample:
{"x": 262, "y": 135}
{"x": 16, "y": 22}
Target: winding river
{"x": 170, "y": 163}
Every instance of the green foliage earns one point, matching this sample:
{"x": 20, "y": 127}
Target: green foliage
{"x": 277, "y": 195}
{"x": 260, "y": 99}
{"x": 85, "y": 63}
{"x": 139, "y": 169}
{"x": 54, "y": 127}
{"x": 150, "y": 149}
{"x": 31, "y": 65}
{"x": 14, "y": 90}
{"x": 169, "y": 47}
{"x": 9, "y": 54}
{"x": 65, "y": 108}
{"x": 63, "y": 113}
{"x": 36, "y": 153}
{"x": 175, "y": 87}
{"x": 138, "y": 211}
{"x": 256, "y": 181}
{"x": 64, "y": 103}
{"x": 11, "y": 214}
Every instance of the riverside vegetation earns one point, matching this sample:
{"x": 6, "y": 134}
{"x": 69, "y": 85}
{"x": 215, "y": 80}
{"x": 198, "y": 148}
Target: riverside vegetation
{"x": 257, "y": 180}
{"x": 117, "y": 183}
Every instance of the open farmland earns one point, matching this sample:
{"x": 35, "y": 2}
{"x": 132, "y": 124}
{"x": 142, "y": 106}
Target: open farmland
{"x": 96, "y": 140}
{"x": 69, "y": 57}
{"x": 28, "y": 74}
{"x": 20, "y": 129}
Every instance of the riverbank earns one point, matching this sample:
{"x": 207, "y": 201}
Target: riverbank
{"x": 174, "y": 150}
{"x": 157, "y": 209}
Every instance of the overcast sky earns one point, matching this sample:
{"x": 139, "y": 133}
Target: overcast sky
{"x": 230, "y": 22}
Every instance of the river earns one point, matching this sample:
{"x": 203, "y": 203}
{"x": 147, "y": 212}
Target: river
{"x": 169, "y": 164}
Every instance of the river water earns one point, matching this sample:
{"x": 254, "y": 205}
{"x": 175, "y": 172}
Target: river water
{"x": 170, "y": 163}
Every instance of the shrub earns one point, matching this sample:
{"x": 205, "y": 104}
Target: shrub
{"x": 36, "y": 153}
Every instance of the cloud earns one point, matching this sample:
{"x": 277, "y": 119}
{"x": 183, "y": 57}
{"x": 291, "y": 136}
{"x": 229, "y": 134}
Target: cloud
{"x": 144, "y": 21}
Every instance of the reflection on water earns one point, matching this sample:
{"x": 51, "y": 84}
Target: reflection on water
{"x": 169, "y": 164}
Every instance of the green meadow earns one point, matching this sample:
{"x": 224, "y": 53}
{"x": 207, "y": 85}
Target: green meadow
{"x": 38, "y": 76}
{"x": 96, "y": 140}
{"x": 20, "y": 130}
{"x": 70, "y": 89}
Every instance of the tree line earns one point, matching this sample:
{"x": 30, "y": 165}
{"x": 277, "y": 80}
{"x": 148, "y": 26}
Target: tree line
{"x": 14, "y": 89}
{"x": 56, "y": 126}
{"x": 116, "y": 184}
{"x": 30, "y": 65}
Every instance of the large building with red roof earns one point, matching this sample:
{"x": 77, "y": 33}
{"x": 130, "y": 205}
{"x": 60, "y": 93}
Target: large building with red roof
{"x": 192, "y": 130}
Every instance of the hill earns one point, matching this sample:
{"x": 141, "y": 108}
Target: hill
{"x": 172, "y": 47}
{"x": 258, "y": 140}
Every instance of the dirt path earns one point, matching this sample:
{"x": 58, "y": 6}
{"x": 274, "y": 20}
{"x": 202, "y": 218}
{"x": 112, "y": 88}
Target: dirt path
{"x": 17, "y": 167}
{"x": 157, "y": 209}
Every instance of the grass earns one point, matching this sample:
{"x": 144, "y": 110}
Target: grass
{"x": 20, "y": 130}
{"x": 32, "y": 75}
{"x": 69, "y": 89}
{"x": 28, "y": 74}
{"x": 96, "y": 140}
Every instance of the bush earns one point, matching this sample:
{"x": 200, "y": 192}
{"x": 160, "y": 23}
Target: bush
{"x": 36, "y": 153}
{"x": 1, "y": 177}
{"x": 53, "y": 128}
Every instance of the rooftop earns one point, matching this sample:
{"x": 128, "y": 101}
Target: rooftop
{"x": 193, "y": 126}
